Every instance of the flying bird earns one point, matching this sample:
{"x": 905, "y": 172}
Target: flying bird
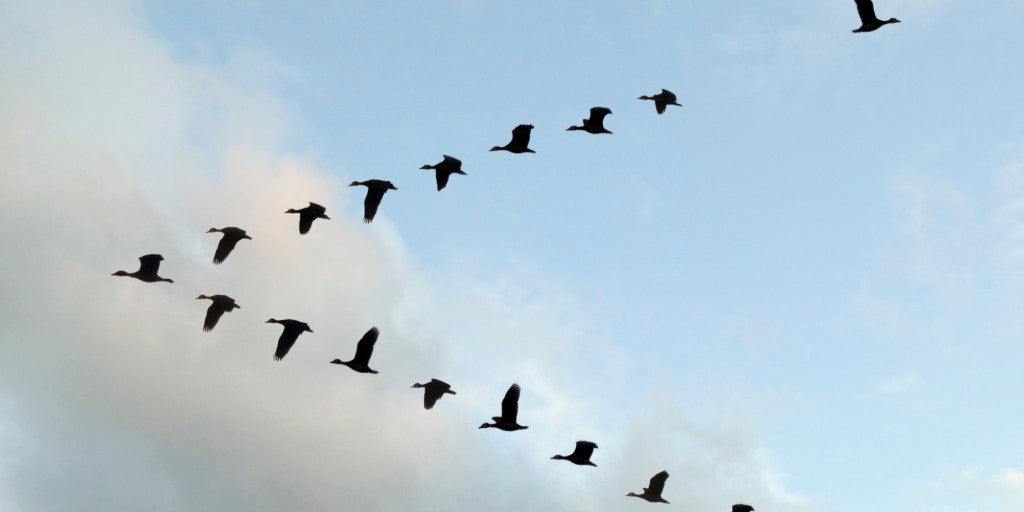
{"x": 307, "y": 215}
{"x": 221, "y": 304}
{"x": 652, "y": 492}
{"x": 662, "y": 100}
{"x": 509, "y": 410}
{"x": 231, "y": 237}
{"x": 364, "y": 349}
{"x": 581, "y": 455}
{"x": 739, "y": 507}
{"x": 433, "y": 391}
{"x": 375, "y": 190}
{"x": 148, "y": 267}
{"x": 595, "y": 124}
{"x": 868, "y": 21}
{"x": 445, "y": 168}
{"x": 291, "y": 332}
{"x": 520, "y": 139}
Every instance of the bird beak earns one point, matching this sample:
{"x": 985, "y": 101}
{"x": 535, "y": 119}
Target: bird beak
{"x": 247, "y": 236}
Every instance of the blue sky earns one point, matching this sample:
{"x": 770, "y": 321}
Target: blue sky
{"x": 800, "y": 290}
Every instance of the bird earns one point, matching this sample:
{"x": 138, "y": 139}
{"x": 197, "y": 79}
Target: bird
{"x": 868, "y": 21}
{"x": 375, "y": 190}
{"x": 307, "y": 215}
{"x": 433, "y": 391}
{"x": 595, "y": 124}
{"x": 445, "y": 168}
{"x": 364, "y": 349}
{"x": 221, "y": 304}
{"x": 652, "y": 492}
{"x": 509, "y": 410}
{"x": 662, "y": 100}
{"x": 520, "y": 139}
{"x": 739, "y": 507}
{"x": 581, "y": 455}
{"x": 227, "y": 242}
{"x": 292, "y": 330}
{"x": 148, "y": 267}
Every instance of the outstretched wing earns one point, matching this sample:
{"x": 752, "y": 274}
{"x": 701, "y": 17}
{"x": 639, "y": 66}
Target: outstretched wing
{"x": 452, "y": 162}
{"x": 521, "y": 135}
{"x": 306, "y": 218}
{"x": 442, "y": 179}
{"x": 372, "y": 201}
{"x": 660, "y": 105}
{"x": 149, "y": 264}
{"x": 213, "y": 313}
{"x": 597, "y": 114}
{"x": 584, "y": 449}
{"x": 866, "y": 10}
{"x": 285, "y": 342}
{"x": 510, "y": 404}
{"x": 364, "y": 349}
{"x": 657, "y": 483}
{"x": 227, "y": 243}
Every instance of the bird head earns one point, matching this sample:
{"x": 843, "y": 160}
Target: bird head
{"x": 213, "y": 230}
{"x": 418, "y": 385}
{"x": 120, "y": 273}
{"x": 202, "y": 297}
{"x": 336, "y": 361}
{"x": 271, "y": 321}
{"x": 497, "y": 148}
{"x": 354, "y": 183}
{"x": 558, "y": 457}
{"x": 893, "y": 20}
{"x": 391, "y": 186}
{"x": 485, "y": 425}
{"x": 292, "y": 210}
{"x": 307, "y": 329}
{"x": 427, "y": 167}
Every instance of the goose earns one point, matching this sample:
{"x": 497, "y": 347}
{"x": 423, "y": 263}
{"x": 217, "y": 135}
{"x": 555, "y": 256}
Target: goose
{"x": 509, "y": 410}
{"x": 364, "y": 349}
{"x": 148, "y": 267}
{"x": 662, "y": 100}
{"x": 868, "y": 21}
{"x": 652, "y": 492}
{"x": 739, "y": 507}
{"x": 221, "y": 304}
{"x": 375, "y": 190}
{"x": 307, "y": 215}
{"x": 595, "y": 124}
{"x": 445, "y": 168}
{"x": 581, "y": 455}
{"x": 433, "y": 391}
{"x": 227, "y": 242}
{"x": 291, "y": 332}
{"x": 520, "y": 139}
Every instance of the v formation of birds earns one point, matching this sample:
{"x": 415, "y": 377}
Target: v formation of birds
{"x": 433, "y": 390}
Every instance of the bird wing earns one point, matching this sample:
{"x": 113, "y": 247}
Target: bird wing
{"x": 442, "y": 179}
{"x": 597, "y": 114}
{"x": 660, "y": 105}
{"x": 316, "y": 209}
{"x": 431, "y": 394}
{"x": 372, "y": 201}
{"x": 305, "y": 220}
{"x": 287, "y": 339}
{"x": 510, "y": 404}
{"x": 866, "y": 10}
{"x": 455, "y": 163}
{"x": 213, "y": 313}
{"x": 657, "y": 483}
{"x": 227, "y": 243}
{"x": 584, "y": 449}
{"x": 149, "y": 264}
{"x": 440, "y": 383}
{"x": 364, "y": 349}
{"x": 521, "y": 135}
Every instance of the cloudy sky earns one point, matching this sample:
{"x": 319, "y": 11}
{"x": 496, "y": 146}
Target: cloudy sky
{"x": 800, "y": 291}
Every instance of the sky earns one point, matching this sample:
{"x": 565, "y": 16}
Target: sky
{"x": 801, "y": 290}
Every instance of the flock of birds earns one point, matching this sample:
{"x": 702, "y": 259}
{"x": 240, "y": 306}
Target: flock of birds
{"x": 149, "y": 266}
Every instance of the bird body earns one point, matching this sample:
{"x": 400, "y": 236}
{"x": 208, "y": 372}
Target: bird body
{"x": 868, "y": 21}
{"x": 662, "y": 100}
{"x": 375, "y": 190}
{"x": 509, "y": 411}
{"x": 652, "y": 492}
{"x": 520, "y": 139}
{"x": 364, "y": 349}
{"x": 739, "y": 507}
{"x": 232, "y": 236}
{"x": 221, "y": 304}
{"x": 308, "y": 214}
{"x": 445, "y": 168}
{"x": 433, "y": 391}
{"x": 594, "y": 124}
{"x": 149, "y": 265}
{"x": 581, "y": 455}
{"x": 292, "y": 330}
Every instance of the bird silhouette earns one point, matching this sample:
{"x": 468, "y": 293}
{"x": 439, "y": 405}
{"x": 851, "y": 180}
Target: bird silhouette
{"x": 433, "y": 391}
{"x": 595, "y": 124}
{"x": 509, "y": 411}
{"x": 581, "y": 455}
{"x": 375, "y": 190}
{"x": 652, "y": 492}
{"x": 364, "y": 349}
{"x": 149, "y": 265}
{"x": 221, "y": 304}
{"x": 662, "y": 100}
{"x": 739, "y": 507}
{"x": 227, "y": 242}
{"x": 520, "y": 139}
{"x": 445, "y": 168}
{"x": 868, "y": 21}
{"x": 307, "y": 215}
{"x": 291, "y": 332}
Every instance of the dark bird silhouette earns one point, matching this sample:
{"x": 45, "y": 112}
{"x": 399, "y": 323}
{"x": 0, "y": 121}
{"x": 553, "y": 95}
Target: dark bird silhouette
{"x": 739, "y": 507}
{"x": 292, "y": 330}
{"x": 221, "y": 304}
{"x": 868, "y": 21}
{"x": 581, "y": 455}
{"x": 433, "y": 391}
{"x": 227, "y": 242}
{"x": 148, "y": 267}
{"x": 445, "y": 168}
{"x": 652, "y": 492}
{"x": 375, "y": 190}
{"x": 364, "y": 349}
{"x": 596, "y": 122}
{"x": 662, "y": 100}
{"x": 307, "y": 215}
{"x": 520, "y": 139}
{"x": 509, "y": 411}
